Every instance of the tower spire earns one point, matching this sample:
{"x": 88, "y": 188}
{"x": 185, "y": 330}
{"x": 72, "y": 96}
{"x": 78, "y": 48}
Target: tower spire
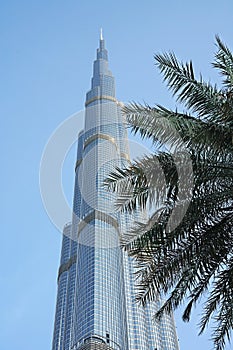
{"x": 101, "y": 34}
{"x": 101, "y": 51}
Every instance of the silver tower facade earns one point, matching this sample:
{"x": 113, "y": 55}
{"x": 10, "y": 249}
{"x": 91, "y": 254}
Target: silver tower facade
{"x": 95, "y": 299}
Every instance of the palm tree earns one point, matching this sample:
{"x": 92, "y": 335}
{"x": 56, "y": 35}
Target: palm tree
{"x": 185, "y": 249}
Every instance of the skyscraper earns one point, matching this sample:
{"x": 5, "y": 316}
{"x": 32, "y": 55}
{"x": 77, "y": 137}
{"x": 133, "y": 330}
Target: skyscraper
{"x": 95, "y": 299}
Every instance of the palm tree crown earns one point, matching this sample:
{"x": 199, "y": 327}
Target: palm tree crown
{"x": 185, "y": 249}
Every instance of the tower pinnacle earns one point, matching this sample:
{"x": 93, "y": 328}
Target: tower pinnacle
{"x": 101, "y": 34}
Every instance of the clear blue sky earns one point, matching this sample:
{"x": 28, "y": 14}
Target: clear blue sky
{"x": 47, "y": 51}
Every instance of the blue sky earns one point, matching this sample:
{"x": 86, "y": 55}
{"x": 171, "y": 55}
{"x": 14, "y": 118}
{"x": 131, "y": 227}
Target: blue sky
{"x": 47, "y": 51}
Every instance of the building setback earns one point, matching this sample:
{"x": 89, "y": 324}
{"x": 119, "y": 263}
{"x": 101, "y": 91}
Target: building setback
{"x": 95, "y": 299}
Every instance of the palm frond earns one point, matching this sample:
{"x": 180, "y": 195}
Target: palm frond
{"x": 173, "y": 129}
{"x": 199, "y": 97}
{"x": 224, "y": 62}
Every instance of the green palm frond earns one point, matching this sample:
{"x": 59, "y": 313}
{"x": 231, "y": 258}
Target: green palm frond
{"x": 165, "y": 127}
{"x": 144, "y": 183}
{"x": 197, "y": 96}
{"x": 220, "y": 304}
{"x": 224, "y": 62}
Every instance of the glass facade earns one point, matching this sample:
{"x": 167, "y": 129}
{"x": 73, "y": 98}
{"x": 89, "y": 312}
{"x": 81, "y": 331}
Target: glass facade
{"x": 95, "y": 299}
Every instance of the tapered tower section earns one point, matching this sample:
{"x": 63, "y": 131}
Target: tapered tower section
{"x": 100, "y": 314}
